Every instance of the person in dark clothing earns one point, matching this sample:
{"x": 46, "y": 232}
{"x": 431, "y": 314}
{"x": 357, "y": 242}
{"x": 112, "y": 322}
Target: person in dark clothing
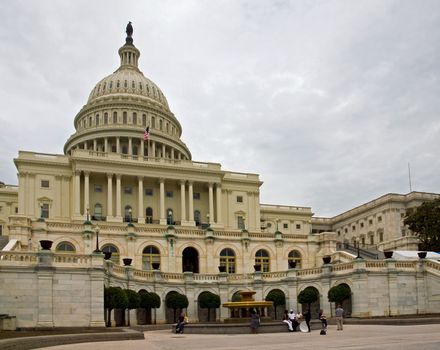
{"x": 180, "y": 323}
{"x": 323, "y": 319}
{"x": 308, "y": 317}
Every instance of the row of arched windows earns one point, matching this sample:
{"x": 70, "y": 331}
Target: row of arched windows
{"x": 153, "y": 91}
{"x": 151, "y": 255}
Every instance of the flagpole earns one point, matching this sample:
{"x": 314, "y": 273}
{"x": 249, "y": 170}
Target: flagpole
{"x": 409, "y": 177}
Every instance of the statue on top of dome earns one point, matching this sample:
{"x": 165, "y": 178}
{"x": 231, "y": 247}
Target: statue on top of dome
{"x": 129, "y": 30}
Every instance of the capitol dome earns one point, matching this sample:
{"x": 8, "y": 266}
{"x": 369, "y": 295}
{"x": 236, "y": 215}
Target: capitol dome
{"x": 119, "y": 110}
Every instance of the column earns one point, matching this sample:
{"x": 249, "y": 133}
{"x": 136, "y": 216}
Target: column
{"x": 172, "y": 153}
{"x": 211, "y": 204}
{"x": 182, "y": 202}
{"x": 95, "y": 145}
{"x": 141, "y": 218}
{"x": 106, "y": 145}
{"x": 191, "y": 203}
{"x": 118, "y": 145}
{"x": 86, "y": 192}
{"x": 77, "y": 194}
{"x": 179, "y": 156}
{"x": 163, "y": 219}
{"x": 130, "y": 150}
{"x": 163, "y": 150}
{"x": 153, "y": 149}
{"x": 109, "y": 195}
{"x": 21, "y": 193}
{"x": 118, "y": 197}
{"x": 218, "y": 188}
{"x": 85, "y": 145}
{"x": 142, "y": 151}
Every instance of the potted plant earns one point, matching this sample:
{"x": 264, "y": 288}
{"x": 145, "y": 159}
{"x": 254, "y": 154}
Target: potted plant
{"x": 292, "y": 264}
{"x": 155, "y": 265}
{"x": 46, "y": 244}
{"x": 107, "y": 255}
{"x": 327, "y": 259}
{"x": 257, "y": 267}
{"x": 127, "y": 261}
{"x": 422, "y": 255}
{"x": 222, "y": 268}
{"x": 388, "y": 254}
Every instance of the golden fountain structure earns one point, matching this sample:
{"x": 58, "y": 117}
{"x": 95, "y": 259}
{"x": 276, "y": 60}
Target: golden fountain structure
{"x": 240, "y": 311}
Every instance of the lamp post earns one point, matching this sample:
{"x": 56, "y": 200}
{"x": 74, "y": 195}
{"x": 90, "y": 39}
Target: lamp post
{"x": 207, "y": 219}
{"x": 87, "y": 217}
{"x": 276, "y": 220}
{"x": 170, "y": 213}
{"x": 129, "y": 214}
{"x": 41, "y": 213}
{"x": 97, "y": 240}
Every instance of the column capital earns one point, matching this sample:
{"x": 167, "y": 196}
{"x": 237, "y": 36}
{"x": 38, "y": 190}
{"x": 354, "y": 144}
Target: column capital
{"x": 77, "y": 172}
{"x": 118, "y": 176}
{"x": 210, "y": 184}
{"x": 161, "y": 180}
{"x": 182, "y": 182}
{"x": 109, "y": 175}
{"x": 140, "y": 178}
{"x": 86, "y": 173}
{"x": 190, "y": 182}
{"x": 218, "y": 184}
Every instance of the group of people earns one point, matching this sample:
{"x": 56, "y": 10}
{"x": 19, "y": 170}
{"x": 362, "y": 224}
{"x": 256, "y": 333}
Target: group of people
{"x": 293, "y": 320}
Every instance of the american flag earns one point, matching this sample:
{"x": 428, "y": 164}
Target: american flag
{"x": 146, "y": 133}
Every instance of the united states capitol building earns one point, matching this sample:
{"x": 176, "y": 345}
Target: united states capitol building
{"x": 127, "y": 184}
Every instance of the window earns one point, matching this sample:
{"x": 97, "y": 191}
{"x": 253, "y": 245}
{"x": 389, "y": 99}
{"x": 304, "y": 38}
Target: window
{"x": 144, "y": 119}
{"x": 115, "y": 117}
{"x": 150, "y": 256}
{"x": 285, "y": 225}
{"x": 339, "y": 233}
{"x": 197, "y": 217}
{"x": 381, "y": 236}
{"x": 65, "y": 247}
{"x": 45, "y": 210}
{"x": 149, "y": 215}
{"x": 135, "y": 119}
{"x": 379, "y": 218}
{"x": 97, "y": 211}
{"x": 105, "y": 118}
{"x": 45, "y": 183}
{"x": 196, "y": 195}
{"x": 110, "y": 248}
{"x": 128, "y": 190}
{"x": 363, "y": 241}
{"x": 124, "y": 149}
{"x": 97, "y": 120}
{"x": 262, "y": 259}
{"x": 294, "y": 256}
{"x": 153, "y": 122}
{"x": 371, "y": 239}
{"x": 169, "y": 194}
{"x": 298, "y": 226}
{"x": 239, "y": 199}
{"x": 160, "y": 124}
{"x": 345, "y": 230}
{"x": 98, "y": 188}
{"x": 16, "y": 210}
{"x": 148, "y": 191}
{"x": 124, "y": 118}
{"x": 170, "y": 217}
{"x": 240, "y": 223}
{"x": 227, "y": 259}
{"x": 353, "y": 228}
{"x": 370, "y": 222}
{"x": 114, "y": 148}
{"x": 362, "y": 225}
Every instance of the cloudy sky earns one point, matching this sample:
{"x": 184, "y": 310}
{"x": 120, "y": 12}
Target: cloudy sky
{"x": 327, "y": 100}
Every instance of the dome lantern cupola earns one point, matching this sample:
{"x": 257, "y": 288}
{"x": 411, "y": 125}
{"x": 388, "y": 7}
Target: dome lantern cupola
{"x": 129, "y": 53}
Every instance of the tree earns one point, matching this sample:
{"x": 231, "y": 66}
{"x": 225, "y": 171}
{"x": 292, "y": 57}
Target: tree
{"x": 308, "y": 296}
{"x": 208, "y": 300}
{"x": 277, "y": 297}
{"x": 148, "y": 301}
{"x": 339, "y": 293}
{"x": 133, "y": 302}
{"x": 114, "y": 298}
{"x": 425, "y": 223}
{"x": 177, "y": 301}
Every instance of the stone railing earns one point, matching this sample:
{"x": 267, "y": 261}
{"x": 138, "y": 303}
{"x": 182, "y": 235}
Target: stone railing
{"x": 71, "y": 259}
{"x": 18, "y": 258}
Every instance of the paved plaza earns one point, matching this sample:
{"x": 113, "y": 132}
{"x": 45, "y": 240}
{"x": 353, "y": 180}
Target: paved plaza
{"x": 426, "y": 337}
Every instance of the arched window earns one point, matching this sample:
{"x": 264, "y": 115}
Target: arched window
{"x": 124, "y": 118}
{"x": 170, "y": 217}
{"x": 127, "y": 213}
{"x": 97, "y": 120}
{"x": 144, "y": 119}
{"x": 115, "y": 117}
{"x": 153, "y": 122}
{"x": 160, "y": 124}
{"x": 149, "y": 215}
{"x": 227, "y": 258}
{"x": 110, "y": 248}
{"x": 197, "y": 217}
{"x": 150, "y": 255}
{"x": 135, "y": 119}
{"x": 262, "y": 259}
{"x": 65, "y": 247}
{"x": 98, "y": 211}
{"x": 294, "y": 256}
{"x": 105, "y": 118}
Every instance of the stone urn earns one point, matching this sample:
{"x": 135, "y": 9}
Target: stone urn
{"x": 327, "y": 259}
{"x": 107, "y": 255}
{"x": 46, "y": 244}
{"x": 422, "y": 255}
{"x": 127, "y": 261}
{"x": 222, "y": 268}
{"x": 155, "y": 266}
{"x": 257, "y": 268}
{"x": 292, "y": 264}
{"x": 388, "y": 254}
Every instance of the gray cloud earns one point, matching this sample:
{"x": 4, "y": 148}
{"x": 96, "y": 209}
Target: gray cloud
{"x": 327, "y": 100}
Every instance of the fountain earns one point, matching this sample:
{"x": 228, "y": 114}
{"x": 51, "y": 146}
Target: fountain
{"x": 240, "y": 311}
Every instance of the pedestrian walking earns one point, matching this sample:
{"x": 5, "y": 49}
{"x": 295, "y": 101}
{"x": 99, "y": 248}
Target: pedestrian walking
{"x": 339, "y": 317}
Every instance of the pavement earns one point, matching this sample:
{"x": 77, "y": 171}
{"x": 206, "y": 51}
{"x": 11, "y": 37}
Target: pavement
{"x": 367, "y": 337}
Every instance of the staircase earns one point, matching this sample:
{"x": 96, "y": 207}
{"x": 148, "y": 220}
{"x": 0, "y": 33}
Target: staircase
{"x": 359, "y": 252}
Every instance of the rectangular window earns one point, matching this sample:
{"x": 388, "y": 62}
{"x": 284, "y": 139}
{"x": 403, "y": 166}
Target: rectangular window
{"x": 148, "y": 191}
{"x": 370, "y": 222}
{"x": 379, "y": 218}
{"x": 45, "y": 183}
{"x": 362, "y": 224}
{"x": 169, "y": 194}
{"x": 128, "y": 190}
{"x": 345, "y": 230}
{"x": 353, "y": 228}
{"x": 45, "y": 211}
{"x": 240, "y": 222}
{"x": 196, "y": 195}
{"x": 16, "y": 210}
{"x": 239, "y": 199}
{"x": 298, "y": 226}
{"x": 285, "y": 225}
{"x": 98, "y": 188}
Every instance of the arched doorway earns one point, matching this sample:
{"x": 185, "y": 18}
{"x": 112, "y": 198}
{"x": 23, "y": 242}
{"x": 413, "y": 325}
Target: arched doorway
{"x": 203, "y": 313}
{"x": 278, "y": 313}
{"x": 346, "y": 304}
{"x": 143, "y": 315}
{"x": 190, "y": 260}
{"x": 314, "y": 307}
{"x": 170, "y": 315}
